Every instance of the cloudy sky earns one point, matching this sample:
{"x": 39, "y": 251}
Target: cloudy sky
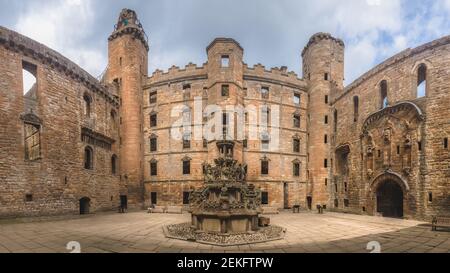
{"x": 272, "y": 32}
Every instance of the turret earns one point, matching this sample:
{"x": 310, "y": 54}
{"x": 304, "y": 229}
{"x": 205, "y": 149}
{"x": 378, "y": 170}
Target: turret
{"x": 127, "y": 65}
{"x": 323, "y": 68}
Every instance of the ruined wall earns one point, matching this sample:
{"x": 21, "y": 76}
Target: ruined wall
{"x": 424, "y": 121}
{"x": 57, "y": 179}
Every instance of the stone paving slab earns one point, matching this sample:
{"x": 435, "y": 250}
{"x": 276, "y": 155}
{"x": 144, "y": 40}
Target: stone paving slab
{"x": 140, "y": 232}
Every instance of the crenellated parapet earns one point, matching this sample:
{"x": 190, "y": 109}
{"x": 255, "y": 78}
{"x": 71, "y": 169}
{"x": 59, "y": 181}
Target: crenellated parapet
{"x": 25, "y": 46}
{"x": 176, "y": 74}
{"x": 318, "y": 37}
{"x": 275, "y": 75}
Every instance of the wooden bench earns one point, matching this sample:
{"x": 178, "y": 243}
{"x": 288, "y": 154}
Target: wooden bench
{"x": 440, "y": 221}
{"x": 270, "y": 210}
{"x": 174, "y": 210}
{"x": 157, "y": 209}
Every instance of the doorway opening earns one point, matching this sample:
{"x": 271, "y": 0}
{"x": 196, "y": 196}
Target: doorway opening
{"x": 85, "y": 205}
{"x": 390, "y": 199}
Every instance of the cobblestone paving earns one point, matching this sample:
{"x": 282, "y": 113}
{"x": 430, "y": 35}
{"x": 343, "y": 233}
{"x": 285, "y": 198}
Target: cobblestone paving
{"x": 142, "y": 232}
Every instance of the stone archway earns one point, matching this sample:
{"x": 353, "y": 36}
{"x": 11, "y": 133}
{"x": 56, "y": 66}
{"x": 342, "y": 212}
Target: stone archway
{"x": 388, "y": 195}
{"x": 389, "y": 199}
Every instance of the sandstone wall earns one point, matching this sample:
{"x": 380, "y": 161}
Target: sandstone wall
{"x": 58, "y": 180}
{"x": 428, "y": 174}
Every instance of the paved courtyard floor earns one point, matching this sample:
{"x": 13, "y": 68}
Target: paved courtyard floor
{"x": 142, "y": 232}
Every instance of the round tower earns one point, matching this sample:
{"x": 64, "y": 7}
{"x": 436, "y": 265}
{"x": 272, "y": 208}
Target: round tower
{"x": 127, "y": 65}
{"x": 323, "y": 69}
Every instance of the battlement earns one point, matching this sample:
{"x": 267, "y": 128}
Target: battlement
{"x": 275, "y": 73}
{"x": 191, "y": 70}
{"x": 316, "y": 38}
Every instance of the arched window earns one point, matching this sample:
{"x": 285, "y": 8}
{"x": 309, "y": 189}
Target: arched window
{"x": 355, "y": 108}
{"x": 29, "y": 73}
{"x": 384, "y": 94}
{"x": 421, "y": 81}
{"x": 88, "y": 158}
{"x": 87, "y": 105}
{"x": 114, "y": 164}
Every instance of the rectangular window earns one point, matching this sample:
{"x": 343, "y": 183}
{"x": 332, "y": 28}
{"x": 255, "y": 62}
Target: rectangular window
{"x": 419, "y": 144}
{"x": 326, "y": 181}
{"x": 297, "y": 121}
{"x": 264, "y": 167}
{"x": 225, "y": 90}
{"x": 32, "y": 142}
{"x": 297, "y": 99}
{"x": 153, "y": 120}
{"x": 445, "y": 143}
{"x": 205, "y": 143}
{"x": 187, "y": 167}
{"x": 187, "y": 92}
{"x": 264, "y": 198}
{"x": 326, "y": 119}
{"x": 153, "y": 97}
{"x": 296, "y": 169}
{"x": 325, "y": 163}
{"x": 225, "y": 61}
{"x": 265, "y": 93}
{"x": 29, "y": 198}
{"x": 398, "y": 150}
{"x": 430, "y": 197}
{"x": 325, "y": 139}
{"x": 186, "y": 142}
{"x": 296, "y": 144}
{"x": 325, "y": 77}
{"x": 154, "y": 198}
{"x": 265, "y": 145}
{"x": 153, "y": 169}
{"x": 326, "y": 99}
{"x": 245, "y": 143}
{"x": 186, "y": 195}
{"x": 153, "y": 144}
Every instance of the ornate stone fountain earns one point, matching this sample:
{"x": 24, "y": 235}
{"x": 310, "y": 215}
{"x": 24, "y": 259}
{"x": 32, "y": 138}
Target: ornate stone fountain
{"x": 226, "y": 211}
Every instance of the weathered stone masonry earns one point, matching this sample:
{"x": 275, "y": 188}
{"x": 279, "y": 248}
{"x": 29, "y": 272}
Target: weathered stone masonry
{"x": 75, "y": 144}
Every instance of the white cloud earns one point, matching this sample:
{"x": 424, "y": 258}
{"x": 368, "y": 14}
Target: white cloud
{"x": 63, "y": 25}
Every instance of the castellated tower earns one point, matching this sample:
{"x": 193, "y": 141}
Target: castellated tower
{"x": 323, "y": 68}
{"x": 127, "y": 66}
{"x": 225, "y": 88}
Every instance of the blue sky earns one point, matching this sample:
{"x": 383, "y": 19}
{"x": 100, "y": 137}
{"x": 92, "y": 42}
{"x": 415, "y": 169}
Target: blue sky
{"x": 272, "y": 32}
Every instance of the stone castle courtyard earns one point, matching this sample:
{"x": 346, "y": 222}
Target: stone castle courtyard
{"x": 139, "y": 232}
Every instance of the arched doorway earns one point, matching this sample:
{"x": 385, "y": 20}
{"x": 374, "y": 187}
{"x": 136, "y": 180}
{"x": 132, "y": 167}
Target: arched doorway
{"x": 85, "y": 204}
{"x": 389, "y": 196}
